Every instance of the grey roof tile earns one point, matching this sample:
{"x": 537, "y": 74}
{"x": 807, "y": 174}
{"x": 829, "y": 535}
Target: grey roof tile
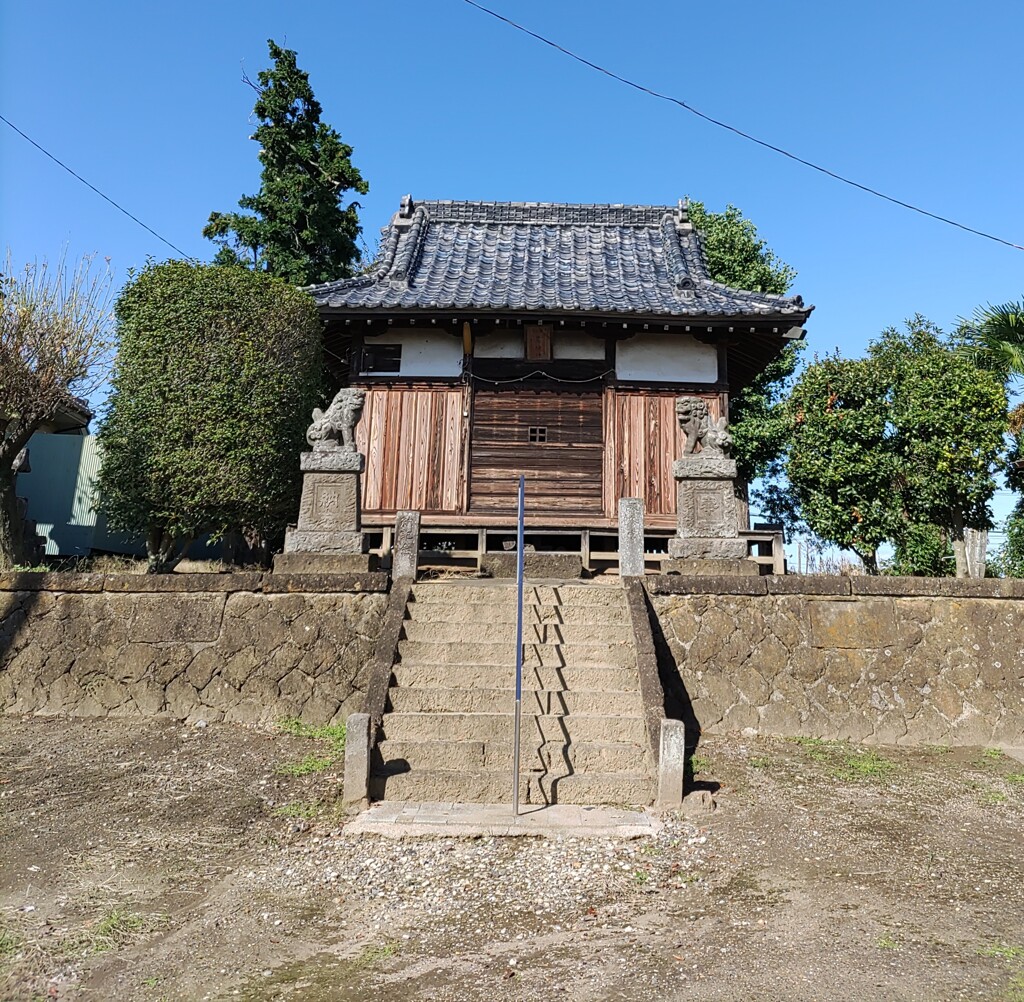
{"x": 631, "y": 259}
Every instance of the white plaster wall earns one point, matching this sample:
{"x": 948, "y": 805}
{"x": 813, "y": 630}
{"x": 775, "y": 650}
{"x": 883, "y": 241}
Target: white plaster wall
{"x": 502, "y": 344}
{"x": 424, "y": 353}
{"x": 577, "y": 346}
{"x": 666, "y": 358}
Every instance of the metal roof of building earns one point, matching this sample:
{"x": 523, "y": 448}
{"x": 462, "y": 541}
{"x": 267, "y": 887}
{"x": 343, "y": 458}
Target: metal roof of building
{"x": 541, "y": 256}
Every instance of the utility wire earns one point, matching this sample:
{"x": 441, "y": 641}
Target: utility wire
{"x": 739, "y": 132}
{"x": 95, "y": 189}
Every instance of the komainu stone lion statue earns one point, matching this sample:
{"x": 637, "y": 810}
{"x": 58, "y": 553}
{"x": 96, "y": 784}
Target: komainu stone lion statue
{"x": 335, "y": 428}
{"x": 695, "y": 420}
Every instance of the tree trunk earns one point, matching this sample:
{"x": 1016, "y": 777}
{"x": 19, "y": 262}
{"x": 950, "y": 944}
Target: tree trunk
{"x": 162, "y": 550}
{"x": 12, "y": 529}
{"x": 869, "y": 559}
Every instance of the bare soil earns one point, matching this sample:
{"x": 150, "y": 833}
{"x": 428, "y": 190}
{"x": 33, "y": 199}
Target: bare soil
{"x": 148, "y": 860}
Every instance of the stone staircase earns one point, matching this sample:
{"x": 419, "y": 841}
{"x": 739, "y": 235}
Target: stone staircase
{"x": 447, "y": 730}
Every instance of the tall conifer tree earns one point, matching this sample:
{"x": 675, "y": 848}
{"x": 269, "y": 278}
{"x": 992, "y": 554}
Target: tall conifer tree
{"x": 297, "y": 227}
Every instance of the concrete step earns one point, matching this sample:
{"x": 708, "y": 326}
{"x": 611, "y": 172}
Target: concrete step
{"x": 536, "y": 728}
{"x": 472, "y": 756}
{"x": 472, "y": 612}
{"x": 494, "y": 787}
{"x": 434, "y": 699}
{"x": 583, "y": 655}
{"x": 459, "y": 593}
{"x": 482, "y": 631}
{"x": 571, "y": 678}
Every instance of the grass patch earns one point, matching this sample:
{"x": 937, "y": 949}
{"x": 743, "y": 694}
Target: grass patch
{"x": 699, "y": 764}
{"x": 118, "y": 927}
{"x": 1017, "y": 778}
{"x": 333, "y": 734}
{"x": 372, "y": 955}
{"x": 1015, "y": 990}
{"x": 816, "y": 749}
{"x": 304, "y": 811}
{"x": 309, "y": 766}
{"x": 993, "y": 798}
{"x": 845, "y": 761}
{"x": 991, "y": 756}
{"x": 761, "y": 762}
{"x": 10, "y": 944}
{"x": 886, "y": 942}
{"x": 862, "y": 765}
{"x": 1003, "y": 952}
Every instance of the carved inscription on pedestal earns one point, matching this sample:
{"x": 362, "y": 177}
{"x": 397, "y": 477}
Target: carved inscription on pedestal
{"x": 330, "y": 501}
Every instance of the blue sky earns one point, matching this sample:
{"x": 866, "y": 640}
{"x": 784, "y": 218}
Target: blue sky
{"x": 920, "y": 100}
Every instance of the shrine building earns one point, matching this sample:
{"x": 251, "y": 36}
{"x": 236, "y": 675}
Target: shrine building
{"x": 499, "y": 338}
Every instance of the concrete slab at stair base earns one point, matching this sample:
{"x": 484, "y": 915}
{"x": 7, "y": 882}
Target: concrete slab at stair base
{"x": 495, "y": 787}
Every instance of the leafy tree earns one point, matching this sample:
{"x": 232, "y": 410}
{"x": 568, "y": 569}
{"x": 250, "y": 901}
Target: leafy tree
{"x": 55, "y": 344}
{"x": 738, "y": 257}
{"x": 1009, "y": 559}
{"x": 993, "y": 339}
{"x": 218, "y": 371}
{"x": 900, "y": 446}
{"x": 922, "y": 550}
{"x": 840, "y": 462}
{"x": 297, "y": 226}
{"x": 948, "y": 420}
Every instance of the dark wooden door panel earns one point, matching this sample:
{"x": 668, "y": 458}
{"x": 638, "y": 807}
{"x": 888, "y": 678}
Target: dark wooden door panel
{"x": 554, "y": 439}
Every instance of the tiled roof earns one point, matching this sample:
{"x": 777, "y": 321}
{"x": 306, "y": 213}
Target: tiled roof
{"x": 639, "y": 259}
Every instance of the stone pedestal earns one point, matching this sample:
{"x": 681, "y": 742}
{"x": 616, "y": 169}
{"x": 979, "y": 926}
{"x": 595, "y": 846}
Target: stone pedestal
{"x": 707, "y": 526}
{"x": 329, "y": 515}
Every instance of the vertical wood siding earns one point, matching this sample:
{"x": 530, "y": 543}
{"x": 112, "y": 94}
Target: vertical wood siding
{"x": 413, "y": 442}
{"x": 643, "y": 439}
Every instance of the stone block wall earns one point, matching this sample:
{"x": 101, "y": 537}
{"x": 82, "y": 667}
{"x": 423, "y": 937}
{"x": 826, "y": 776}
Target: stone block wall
{"x": 249, "y": 648}
{"x": 896, "y": 661}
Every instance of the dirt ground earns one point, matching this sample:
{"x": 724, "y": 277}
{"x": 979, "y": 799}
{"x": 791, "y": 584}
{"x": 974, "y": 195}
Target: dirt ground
{"x": 147, "y": 861}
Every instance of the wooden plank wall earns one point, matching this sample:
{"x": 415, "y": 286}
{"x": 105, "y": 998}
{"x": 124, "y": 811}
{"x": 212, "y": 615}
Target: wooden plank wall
{"x": 413, "y": 440}
{"x": 643, "y": 440}
{"x": 563, "y": 474}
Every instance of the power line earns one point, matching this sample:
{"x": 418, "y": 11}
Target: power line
{"x": 739, "y": 132}
{"x": 95, "y": 189}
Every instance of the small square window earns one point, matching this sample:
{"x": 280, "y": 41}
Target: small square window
{"x": 538, "y": 434}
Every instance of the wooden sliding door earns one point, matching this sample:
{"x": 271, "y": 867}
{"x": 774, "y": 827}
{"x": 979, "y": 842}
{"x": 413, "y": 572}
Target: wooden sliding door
{"x": 554, "y": 438}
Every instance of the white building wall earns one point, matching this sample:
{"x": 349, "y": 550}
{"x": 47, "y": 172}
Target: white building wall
{"x": 666, "y": 358}
{"x": 572, "y": 345}
{"x": 502, "y": 344}
{"x": 424, "y": 353}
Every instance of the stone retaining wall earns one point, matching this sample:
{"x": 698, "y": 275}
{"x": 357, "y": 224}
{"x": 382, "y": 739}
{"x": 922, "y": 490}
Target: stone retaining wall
{"x": 886, "y": 661}
{"x": 250, "y": 648}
